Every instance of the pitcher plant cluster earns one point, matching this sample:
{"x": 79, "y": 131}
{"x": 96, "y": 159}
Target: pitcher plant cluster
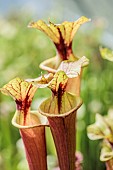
{"x": 58, "y": 112}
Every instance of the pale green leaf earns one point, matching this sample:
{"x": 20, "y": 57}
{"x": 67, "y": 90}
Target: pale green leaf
{"x": 106, "y": 54}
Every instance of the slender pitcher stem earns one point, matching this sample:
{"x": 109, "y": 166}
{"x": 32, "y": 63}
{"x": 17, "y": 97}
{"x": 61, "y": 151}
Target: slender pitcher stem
{"x": 63, "y": 131}
{"x": 63, "y": 128}
{"x": 35, "y": 147}
{"x": 33, "y": 137}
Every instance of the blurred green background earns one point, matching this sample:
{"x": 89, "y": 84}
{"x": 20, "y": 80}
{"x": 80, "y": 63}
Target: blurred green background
{"x": 23, "y": 49}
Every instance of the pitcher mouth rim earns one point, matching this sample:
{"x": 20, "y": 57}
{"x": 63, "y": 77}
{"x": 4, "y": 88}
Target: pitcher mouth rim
{"x": 43, "y": 65}
{"x": 14, "y": 123}
{"x": 79, "y": 103}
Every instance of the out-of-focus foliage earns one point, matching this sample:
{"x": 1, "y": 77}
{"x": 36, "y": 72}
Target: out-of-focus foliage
{"x": 21, "y": 52}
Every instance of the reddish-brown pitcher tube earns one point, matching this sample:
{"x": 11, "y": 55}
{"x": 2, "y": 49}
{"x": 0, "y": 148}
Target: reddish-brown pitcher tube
{"x": 63, "y": 130}
{"x": 109, "y": 164}
{"x": 33, "y": 137}
{"x": 74, "y": 84}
